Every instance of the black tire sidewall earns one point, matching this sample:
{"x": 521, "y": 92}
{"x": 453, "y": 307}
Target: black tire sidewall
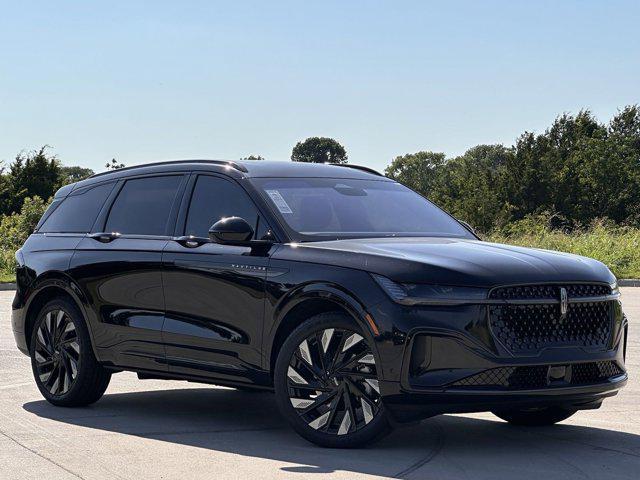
{"x": 371, "y": 432}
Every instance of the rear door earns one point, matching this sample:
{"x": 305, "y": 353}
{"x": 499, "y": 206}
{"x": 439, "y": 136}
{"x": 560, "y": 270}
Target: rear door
{"x": 118, "y": 267}
{"x": 214, "y": 293}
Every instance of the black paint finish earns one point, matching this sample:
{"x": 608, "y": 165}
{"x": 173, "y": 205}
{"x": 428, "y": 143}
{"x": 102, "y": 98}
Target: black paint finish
{"x": 122, "y": 283}
{"x": 214, "y": 298}
{"x": 179, "y": 307}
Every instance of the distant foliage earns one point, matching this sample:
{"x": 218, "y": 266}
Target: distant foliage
{"x": 35, "y": 174}
{"x": 31, "y": 174}
{"x": 74, "y": 174}
{"x": 253, "y": 157}
{"x": 616, "y": 246}
{"x": 15, "y": 228}
{"x": 319, "y": 150}
{"x": 578, "y": 169}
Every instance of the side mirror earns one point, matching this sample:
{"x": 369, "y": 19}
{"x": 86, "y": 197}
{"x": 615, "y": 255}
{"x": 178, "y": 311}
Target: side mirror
{"x": 231, "y": 231}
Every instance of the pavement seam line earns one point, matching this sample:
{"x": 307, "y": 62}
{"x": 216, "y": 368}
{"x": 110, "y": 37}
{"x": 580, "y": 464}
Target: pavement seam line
{"x": 439, "y": 444}
{"x": 70, "y": 472}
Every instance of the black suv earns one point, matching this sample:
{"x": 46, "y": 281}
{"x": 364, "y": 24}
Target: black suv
{"x": 358, "y": 301}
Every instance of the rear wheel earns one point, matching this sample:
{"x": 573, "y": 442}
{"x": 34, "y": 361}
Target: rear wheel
{"x": 535, "y": 418}
{"x": 64, "y": 366}
{"x": 326, "y": 382}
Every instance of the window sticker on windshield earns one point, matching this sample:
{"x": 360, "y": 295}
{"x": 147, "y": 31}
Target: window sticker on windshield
{"x": 279, "y": 201}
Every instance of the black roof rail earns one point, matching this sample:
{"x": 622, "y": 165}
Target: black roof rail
{"x": 228, "y": 163}
{"x": 358, "y": 167}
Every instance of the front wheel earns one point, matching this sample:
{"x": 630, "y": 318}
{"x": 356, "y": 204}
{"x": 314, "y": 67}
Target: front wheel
{"x": 64, "y": 366}
{"x": 535, "y": 418}
{"x": 326, "y": 383}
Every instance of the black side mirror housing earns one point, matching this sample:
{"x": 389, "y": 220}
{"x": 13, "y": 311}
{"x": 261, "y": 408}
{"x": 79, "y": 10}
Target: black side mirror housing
{"x": 231, "y": 231}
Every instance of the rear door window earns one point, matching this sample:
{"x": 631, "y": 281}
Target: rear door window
{"x": 77, "y": 212}
{"x": 143, "y": 206}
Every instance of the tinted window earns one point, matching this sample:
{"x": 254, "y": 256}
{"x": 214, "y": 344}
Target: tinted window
{"x": 214, "y": 198}
{"x": 143, "y": 206}
{"x": 316, "y": 208}
{"x": 77, "y": 212}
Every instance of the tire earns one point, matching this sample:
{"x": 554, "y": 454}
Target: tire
{"x": 338, "y": 406}
{"x": 64, "y": 366}
{"x": 535, "y": 418}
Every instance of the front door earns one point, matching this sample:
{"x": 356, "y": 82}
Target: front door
{"x": 214, "y": 294}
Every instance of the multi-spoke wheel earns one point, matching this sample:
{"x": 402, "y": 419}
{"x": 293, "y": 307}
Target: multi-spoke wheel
{"x": 64, "y": 366}
{"x": 328, "y": 380}
{"x": 57, "y": 352}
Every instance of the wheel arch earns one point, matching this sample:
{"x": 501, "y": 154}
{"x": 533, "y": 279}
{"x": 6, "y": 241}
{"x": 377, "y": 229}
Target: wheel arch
{"x": 310, "y": 300}
{"x": 46, "y": 288}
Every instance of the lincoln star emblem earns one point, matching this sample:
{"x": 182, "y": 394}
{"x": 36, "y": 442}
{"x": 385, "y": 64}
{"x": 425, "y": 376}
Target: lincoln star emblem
{"x": 564, "y": 302}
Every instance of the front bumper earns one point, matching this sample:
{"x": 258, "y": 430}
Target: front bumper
{"x": 410, "y": 406}
{"x": 432, "y": 358}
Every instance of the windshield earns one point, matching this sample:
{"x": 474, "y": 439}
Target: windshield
{"x": 323, "y": 208}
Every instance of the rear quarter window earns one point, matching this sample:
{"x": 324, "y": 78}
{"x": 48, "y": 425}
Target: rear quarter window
{"x": 77, "y": 212}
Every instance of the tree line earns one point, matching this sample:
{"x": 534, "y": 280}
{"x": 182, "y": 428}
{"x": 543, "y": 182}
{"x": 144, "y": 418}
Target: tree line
{"x": 576, "y": 171}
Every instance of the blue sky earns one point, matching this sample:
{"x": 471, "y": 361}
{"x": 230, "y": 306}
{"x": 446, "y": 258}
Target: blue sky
{"x": 147, "y": 81}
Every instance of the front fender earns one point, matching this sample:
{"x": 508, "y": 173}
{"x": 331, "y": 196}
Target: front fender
{"x": 327, "y": 292}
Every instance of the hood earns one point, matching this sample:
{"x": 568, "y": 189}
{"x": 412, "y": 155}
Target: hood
{"x": 460, "y": 262}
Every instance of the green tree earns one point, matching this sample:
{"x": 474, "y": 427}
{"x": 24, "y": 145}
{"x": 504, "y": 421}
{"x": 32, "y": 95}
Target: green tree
{"x": 576, "y": 172}
{"x": 467, "y": 186}
{"x": 542, "y": 174}
{"x": 421, "y": 171}
{"x": 253, "y": 157}
{"x": 471, "y": 187}
{"x": 15, "y": 228}
{"x": 74, "y": 174}
{"x": 319, "y": 150}
{"x": 34, "y": 173}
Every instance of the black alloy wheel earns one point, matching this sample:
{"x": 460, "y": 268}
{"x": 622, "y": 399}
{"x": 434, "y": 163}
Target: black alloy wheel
{"x": 57, "y": 352}
{"x": 331, "y": 384}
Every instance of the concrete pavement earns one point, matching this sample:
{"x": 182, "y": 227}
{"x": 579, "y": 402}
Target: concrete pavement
{"x": 156, "y": 429}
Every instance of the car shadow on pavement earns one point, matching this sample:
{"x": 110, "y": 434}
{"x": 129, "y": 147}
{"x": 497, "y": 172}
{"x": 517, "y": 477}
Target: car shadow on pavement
{"x": 248, "y": 424}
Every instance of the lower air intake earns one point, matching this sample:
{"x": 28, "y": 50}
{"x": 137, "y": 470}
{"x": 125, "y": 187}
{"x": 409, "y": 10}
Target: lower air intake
{"x": 538, "y": 376}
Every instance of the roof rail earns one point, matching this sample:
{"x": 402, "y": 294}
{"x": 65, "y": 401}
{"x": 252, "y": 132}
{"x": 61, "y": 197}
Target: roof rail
{"x": 358, "y": 167}
{"x": 227, "y": 163}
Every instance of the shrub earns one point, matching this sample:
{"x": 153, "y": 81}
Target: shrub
{"x": 15, "y": 228}
{"x": 618, "y": 247}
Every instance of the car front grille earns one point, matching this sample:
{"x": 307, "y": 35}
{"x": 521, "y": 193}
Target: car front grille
{"x": 526, "y": 328}
{"x": 539, "y": 376}
{"x": 576, "y": 290}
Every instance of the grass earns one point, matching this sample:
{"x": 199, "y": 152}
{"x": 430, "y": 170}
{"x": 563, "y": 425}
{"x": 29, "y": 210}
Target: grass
{"x": 7, "y": 264}
{"x": 7, "y": 277}
{"x": 616, "y": 247}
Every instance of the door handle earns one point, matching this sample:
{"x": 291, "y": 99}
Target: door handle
{"x": 190, "y": 241}
{"x": 105, "y": 237}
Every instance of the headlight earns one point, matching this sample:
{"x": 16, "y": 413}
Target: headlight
{"x": 420, "y": 294}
